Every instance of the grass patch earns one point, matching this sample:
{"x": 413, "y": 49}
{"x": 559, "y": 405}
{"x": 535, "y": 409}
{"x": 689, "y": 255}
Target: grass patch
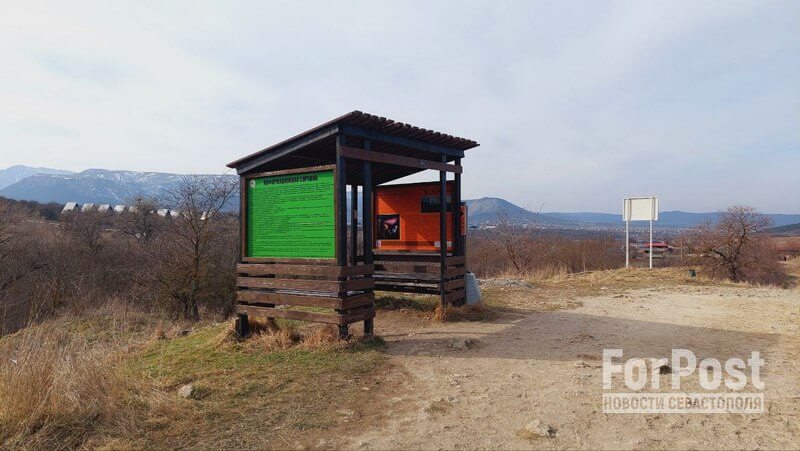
{"x": 418, "y": 303}
{"x": 251, "y": 390}
{"x": 59, "y": 388}
{"x": 792, "y": 268}
{"x": 429, "y": 306}
{"x": 94, "y": 381}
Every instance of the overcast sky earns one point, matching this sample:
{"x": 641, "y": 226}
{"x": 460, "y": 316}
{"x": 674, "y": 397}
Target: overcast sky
{"x": 576, "y": 104}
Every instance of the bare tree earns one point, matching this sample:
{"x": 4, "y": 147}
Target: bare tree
{"x": 8, "y": 217}
{"x": 86, "y": 228}
{"x": 515, "y": 241}
{"x": 141, "y": 220}
{"x": 520, "y": 244}
{"x": 734, "y": 246}
{"x": 192, "y": 235}
{"x": 12, "y": 240}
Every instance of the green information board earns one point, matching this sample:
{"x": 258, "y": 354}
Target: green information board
{"x": 291, "y": 216}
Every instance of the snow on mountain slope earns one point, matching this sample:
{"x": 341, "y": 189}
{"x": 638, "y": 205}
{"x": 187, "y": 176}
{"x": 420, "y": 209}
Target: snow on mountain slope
{"x": 99, "y": 186}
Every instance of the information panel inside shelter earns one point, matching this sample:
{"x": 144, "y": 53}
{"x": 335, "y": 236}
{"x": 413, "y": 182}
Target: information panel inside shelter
{"x": 291, "y": 216}
{"x": 407, "y": 217}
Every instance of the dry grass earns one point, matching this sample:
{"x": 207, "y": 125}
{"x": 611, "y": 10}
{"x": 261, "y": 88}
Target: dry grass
{"x": 323, "y": 337}
{"x": 110, "y": 379}
{"x": 272, "y": 335}
{"x": 557, "y": 290}
{"x": 419, "y": 303}
{"x": 546, "y": 289}
{"x": 792, "y": 268}
{"x": 60, "y": 384}
{"x": 57, "y": 389}
{"x": 283, "y": 338}
{"x": 786, "y": 243}
{"x": 429, "y": 307}
{"x": 292, "y": 381}
{"x": 549, "y": 291}
{"x": 627, "y": 278}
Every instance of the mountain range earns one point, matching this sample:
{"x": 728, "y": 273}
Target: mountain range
{"x": 102, "y": 186}
{"x": 98, "y": 186}
{"x": 667, "y": 218}
{"x": 14, "y": 174}
{"x": 484, "y": 211}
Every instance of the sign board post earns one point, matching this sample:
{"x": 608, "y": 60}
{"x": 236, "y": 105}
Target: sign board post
{"x": 639, "y": 209}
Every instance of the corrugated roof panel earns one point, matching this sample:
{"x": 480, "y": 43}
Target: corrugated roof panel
{"x": 375, "y": 123}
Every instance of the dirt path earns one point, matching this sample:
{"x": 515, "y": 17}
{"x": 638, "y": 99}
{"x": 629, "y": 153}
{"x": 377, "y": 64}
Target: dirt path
{"x": 544, "y": 364}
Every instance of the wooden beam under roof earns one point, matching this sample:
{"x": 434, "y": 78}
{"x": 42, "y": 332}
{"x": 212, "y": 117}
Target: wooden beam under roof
{"x": 399, "y": 140}
{"x": 397, "y": 160}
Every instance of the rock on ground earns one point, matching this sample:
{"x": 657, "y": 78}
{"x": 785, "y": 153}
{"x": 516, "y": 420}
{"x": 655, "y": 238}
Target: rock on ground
{"x": 187, "y": 391}
{"x": 538, "y": 429}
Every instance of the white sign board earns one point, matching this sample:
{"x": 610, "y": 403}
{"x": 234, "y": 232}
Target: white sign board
{"x": 640, "y": 209}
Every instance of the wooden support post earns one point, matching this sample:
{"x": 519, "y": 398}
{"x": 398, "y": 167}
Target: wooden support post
{"x": 442, "y": 230}
{"x": 242, "y": 221}
{"x": 457, "y": 238}
{"x": 366, "y": 227}
{"x": 242, "y": 326}
{"x": 354, "y": 224}
{"x": 464, "y": 238}
{"x": 341, "y": 203}
{"x": 366, "y": 223}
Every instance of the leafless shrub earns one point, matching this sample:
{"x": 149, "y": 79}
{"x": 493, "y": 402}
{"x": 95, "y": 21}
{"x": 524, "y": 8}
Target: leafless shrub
{"x": 86, "y": 228}
{"x": 511, "y": 248}
{"x": 736, "y": 248}
{"x": 517, "y": 243}
{"x": 25, "y": 245}
{"x": 197, "y": 254}
{"x": 178, "y": 265}
{"x": 520, "y": 251}
{"x": 141, "y": 221}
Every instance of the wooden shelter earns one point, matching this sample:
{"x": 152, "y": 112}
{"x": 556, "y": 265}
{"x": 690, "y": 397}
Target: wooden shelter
{"x": 329, "y": 272}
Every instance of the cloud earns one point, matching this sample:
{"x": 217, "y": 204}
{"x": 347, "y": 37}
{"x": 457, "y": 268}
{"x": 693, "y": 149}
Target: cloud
{"x": 575, "y": 104}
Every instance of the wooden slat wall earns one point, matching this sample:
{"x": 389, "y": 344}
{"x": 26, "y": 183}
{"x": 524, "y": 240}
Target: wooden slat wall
{"x": 422, "y": 273}
{"x": 334, "y": 286}
{"x": 346, "y": 291}
{"x": 304, "y": 270}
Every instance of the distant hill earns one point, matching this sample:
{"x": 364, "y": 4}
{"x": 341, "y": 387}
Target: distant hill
{"x": 687, "y": 219}
{"x": 92, "y": 186}
{"x": 789, "y": 229}
{"x": 485, "y": 210}
{"x": 14, "y": 174}
{"x": 587, "y": 217}
{"x": 672, "y": 219}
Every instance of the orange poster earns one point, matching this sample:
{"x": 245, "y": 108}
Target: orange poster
{"x": 407, "y": 217}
